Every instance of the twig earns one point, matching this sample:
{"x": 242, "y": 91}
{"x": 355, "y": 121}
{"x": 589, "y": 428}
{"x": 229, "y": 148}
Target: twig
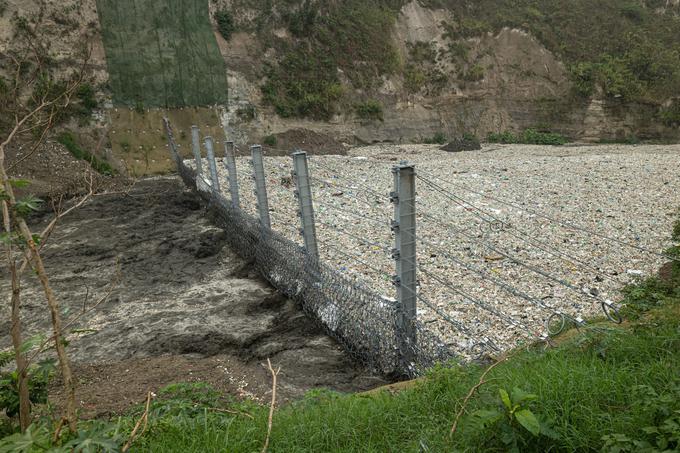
{"x": 57, "y": 432}
{"x": 143, "y": 419}
{"x": 472, "y": 391}
{"x": 273, "y": 404}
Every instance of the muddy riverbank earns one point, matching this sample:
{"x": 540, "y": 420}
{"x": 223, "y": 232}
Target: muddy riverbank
{"x": 182, "y": 306}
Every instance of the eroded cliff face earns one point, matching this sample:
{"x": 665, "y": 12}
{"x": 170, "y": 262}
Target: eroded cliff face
{"x": 520, "y": 84}
{"x": 507, "y": 80}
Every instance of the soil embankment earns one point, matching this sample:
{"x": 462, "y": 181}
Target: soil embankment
{"x": 182, "y": 306}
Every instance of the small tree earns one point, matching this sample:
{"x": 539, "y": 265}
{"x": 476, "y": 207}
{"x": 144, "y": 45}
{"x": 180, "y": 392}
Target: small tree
{"x": 34, "y": 97}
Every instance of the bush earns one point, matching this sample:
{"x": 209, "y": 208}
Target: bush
{"x": 437, "y": 139}
{"x": 69, "y": 141}
{"x": 225, "y": 23}
{"x": 583, "y": 75}
{"x": 473, "y": 74}
{"x": 39, "y": 377}
{"x": 671, "y": 115}
{"x": 302, "y": 21}
{"x": 370, "y": 110}
{"x": 633, "y": 11}
{"x": 414, "y": 79}
{"x": 270, "y": 140}
{"x": 87, "y": 100}
{"x": 352, "y": 36}
{"x": 246, "y": 112}
{"x": 528, "y": 137}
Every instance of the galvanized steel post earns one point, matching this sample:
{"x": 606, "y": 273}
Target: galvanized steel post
{"x": 214, "y": 177}
{"x": 404, "y": 254}
{"x": 304, "y": 196}
{"x": 196, "y": 148}
{"x": 230, "y": 163}
{"x": 260, "y": 186}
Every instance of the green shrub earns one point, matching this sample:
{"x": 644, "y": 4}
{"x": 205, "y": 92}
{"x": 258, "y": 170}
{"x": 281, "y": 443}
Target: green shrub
{"x": 505, "y": 137}
{"x": 301, "y": 22}
{"x": 371, "y": 110}
{"x": 473, "y": 74}
{"x": 225, "y": 23}
{"x": 671, "y": 115}
{"x": 437, "y": 139}
{"x": 458, "y": 51}
{"x": 270, "y": 140}
{"x": 39, "y": 377}
{"x": 414, "y": 79}
{"x": 246, "y": 112}
{"x": 583, "y": 75}
{"x": 69, "y": 141}
{"x": 353, "y": 36}
{"x": 633, "y": 11}
{"x": 528, "y": 137}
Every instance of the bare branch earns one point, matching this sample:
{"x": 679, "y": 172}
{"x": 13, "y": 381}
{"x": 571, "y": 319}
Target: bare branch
{"x": 474, "y": 389}
{"x": 272, "y": 405}
{"x": 143, "y": 419}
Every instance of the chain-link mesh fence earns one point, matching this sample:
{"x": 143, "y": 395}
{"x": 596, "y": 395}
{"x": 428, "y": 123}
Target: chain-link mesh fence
{"x": 360, "y": 319}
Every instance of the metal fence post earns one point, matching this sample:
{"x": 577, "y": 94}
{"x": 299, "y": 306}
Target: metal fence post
{"x": 260, "y": 186}
{"x": 196, "y": 148}
{"x": 214, "y": 178}
{"x": 230, "y": 163}
{"x": 404, "y": 254}
{"x": 304, "y": 196}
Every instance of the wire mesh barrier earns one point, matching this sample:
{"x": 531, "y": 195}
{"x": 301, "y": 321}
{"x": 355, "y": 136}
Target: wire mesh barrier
{"x": 403, "y": 284}
{"x": 364, "y": 322}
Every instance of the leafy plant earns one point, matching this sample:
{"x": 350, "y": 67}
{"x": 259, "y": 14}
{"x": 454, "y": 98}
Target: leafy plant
{"x": 663, "y": 436}
{"x": 473, "y": 74}
{"x": 87, "y": 97}
{"x": 246, "y": 112}
{"x": 438, "y": 138}
{"x": 528, "y": 137}
{"x": 39, "y": 377}
{"x": 671, "y": 115}
{"x": 511, "y": 423}
{"x": 27, "y": 205}
{"x": 92, "y": 437}
{"x": 270, "y": 140}
{"x": 69, "y": 141}
{"x": 352, "y": 37}
{"x": 301, "y": 22}
{"x": 371, "y": 110}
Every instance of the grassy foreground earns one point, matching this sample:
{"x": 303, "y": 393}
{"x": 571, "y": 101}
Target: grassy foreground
{"x": 606, "y": 388}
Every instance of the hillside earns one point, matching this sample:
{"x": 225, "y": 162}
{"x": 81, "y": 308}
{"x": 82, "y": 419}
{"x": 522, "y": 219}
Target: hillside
{"x": 402, "y": 71}
{"x": 362, "y": 72}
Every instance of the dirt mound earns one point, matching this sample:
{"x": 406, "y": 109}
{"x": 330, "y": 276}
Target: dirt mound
{"x": 462, "y": 144}
{"x": 305, "y": 140}
{"x": 53, "y": 171}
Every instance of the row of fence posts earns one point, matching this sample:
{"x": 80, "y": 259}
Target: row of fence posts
{"x": 403, "y": 225}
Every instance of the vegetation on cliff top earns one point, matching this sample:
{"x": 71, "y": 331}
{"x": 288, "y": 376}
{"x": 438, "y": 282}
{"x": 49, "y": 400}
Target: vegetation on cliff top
{"x": 626, "y": 50}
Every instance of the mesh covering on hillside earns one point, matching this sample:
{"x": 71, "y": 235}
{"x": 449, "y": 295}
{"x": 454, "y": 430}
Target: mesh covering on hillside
{"x": 162, "y": 54}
